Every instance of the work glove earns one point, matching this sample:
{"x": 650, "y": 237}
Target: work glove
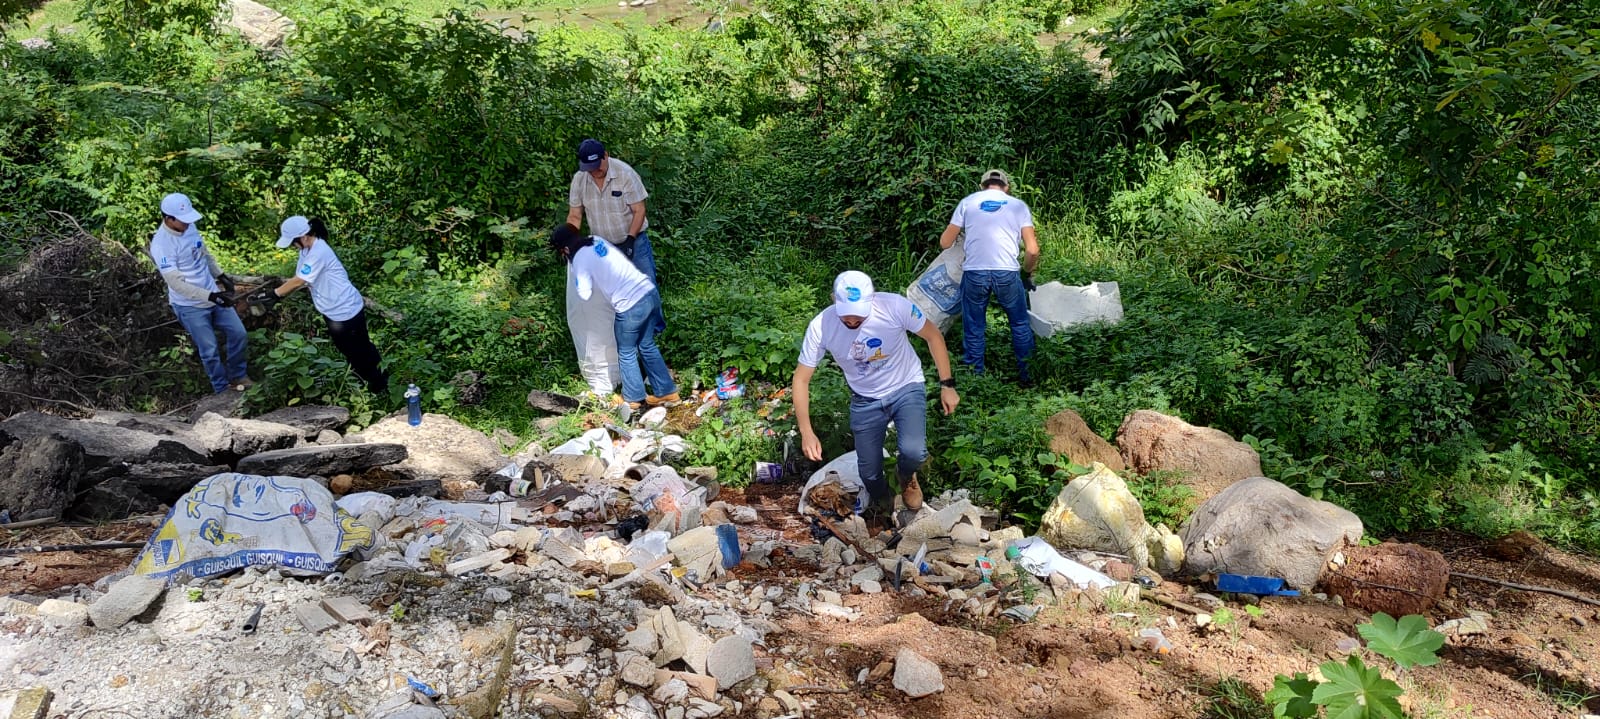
{"x": 220, "y": 299}
{"x": 627, "y": 246}
{"x": 264, "y": 298}
{"x": 226, "y": 283}
{"x": 1027, "y": 282}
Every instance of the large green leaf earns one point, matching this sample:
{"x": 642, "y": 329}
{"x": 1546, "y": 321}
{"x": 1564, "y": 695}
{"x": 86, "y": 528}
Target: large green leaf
{"x": 1357, "y": 691}
{"x": 1291, "y": 698}
{"x": 1408, "y": 642}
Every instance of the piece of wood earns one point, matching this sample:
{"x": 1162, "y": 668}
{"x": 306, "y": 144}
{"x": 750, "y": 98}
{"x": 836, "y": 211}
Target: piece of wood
{"x": 862, "y": 553}
{"x": 347, "y": 609}
{"x": 1170, "y": 602}
{"x": 313, "y": 617}
{"x": 1529, "y": 588}
{"x": 30, "y": 523}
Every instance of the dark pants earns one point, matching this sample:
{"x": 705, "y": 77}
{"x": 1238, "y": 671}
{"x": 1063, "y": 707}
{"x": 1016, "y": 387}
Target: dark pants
{"x": 350, "y": 336}
{"x": 977, "y": 286}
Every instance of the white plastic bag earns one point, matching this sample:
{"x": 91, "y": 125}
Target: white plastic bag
{"x": 593, "y": 324}
{"x": 595, "y": 443}
{"x": 849, "y": 477}
{"x": 1042, "y": 560}
{"x": 1053, "y": 306}
{"x": 937, "y": 291}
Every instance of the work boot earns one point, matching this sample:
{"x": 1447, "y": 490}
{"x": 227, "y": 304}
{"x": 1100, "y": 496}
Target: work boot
{"x": 671, "y": 400}
{"x": 911, "y": 493}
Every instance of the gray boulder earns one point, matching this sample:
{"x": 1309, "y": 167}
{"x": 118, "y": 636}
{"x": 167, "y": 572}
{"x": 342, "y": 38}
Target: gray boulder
{"x": 230, "y": 439}
{"x": 441, "y": 447}
{"x": 38, "y": 477}
{"x": 152, "y": 423}
{"x": 106, "y": 445}
{"x": 227, "y": 403}
{"x": 325, "y": 461}
{"x": 1262, "y": 527}
{"x": 167, "y": 481}
{"x": 116, "y": 498}
{"x": 129, "y": 597}
{"x": 310, "y": 419}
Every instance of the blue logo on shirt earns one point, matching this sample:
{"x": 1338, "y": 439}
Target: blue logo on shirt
{"x": 305, "y": 269}
{"x": 916, "y": 312}
{"x": 600, "y": 249}
{"x": 874, "y": 343}
{"x": 852, "y": 294}
{"x": 991, "y": 205}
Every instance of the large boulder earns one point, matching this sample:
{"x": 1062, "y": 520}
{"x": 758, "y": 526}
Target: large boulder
{"x": 227, "y": 403}
{"x": 38, "y": 477}
{"x": 167, "y": 481}
{"x": 152, "y": 423}
{"x": 324, "y": 461}
{"x": 230, "y": 439}
{"x": 260, "y": 25}
{"x": 1262, "y": 527}
{"x": 1398, "y": 579}
{"x": 108, "y": 446}
{"x": 1096, "y": 511}
{"x": 1208, "y": 459}
{"x": 442, "y": 447}
{"x": 311, "y": 420}
{"x": 112, "y": 499}
{"x": 1070, "y": 436}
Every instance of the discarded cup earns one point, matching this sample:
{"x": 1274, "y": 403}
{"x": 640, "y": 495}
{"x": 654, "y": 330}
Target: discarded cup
{"x": 1152, "y": 639}
{"x": 768, "y": 472}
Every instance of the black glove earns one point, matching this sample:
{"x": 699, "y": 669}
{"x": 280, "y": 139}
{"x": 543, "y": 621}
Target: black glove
{"x": 220, "y": 299}
{"x": 264, "y": 297}
{"x": 627, "y": 246}
{"x": 1027, "y": 282}
{"x": 226, "y": 283}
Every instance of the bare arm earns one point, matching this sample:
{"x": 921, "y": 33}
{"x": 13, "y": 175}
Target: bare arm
{"x": 809, "y": 445}
{"x": 948, "y": 237}
{"x": 288, "y": 287}
{"x": 941, "y": 361}
{"x": 1030, "y": 250}
{"x": 638, "y": 218}
{"x": 575, "y": 215}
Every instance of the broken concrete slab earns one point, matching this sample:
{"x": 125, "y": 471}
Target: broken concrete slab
{"x": 129, "y": 597}
{"x": 473, "y": 564}
{"x": 732, "y": 660}
{"x": 311, "y": 420}
{"x": 347, "y": 609}
{"x": 313, "y": 617}
{"x": 322, "y": 461}
{"x": 30, "y": 703}
{"x": 916, "y": 676}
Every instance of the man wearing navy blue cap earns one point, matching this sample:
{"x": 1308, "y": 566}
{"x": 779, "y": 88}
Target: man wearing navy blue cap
{"x": 612, "y": 194}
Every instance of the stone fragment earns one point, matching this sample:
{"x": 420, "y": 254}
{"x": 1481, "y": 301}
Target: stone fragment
{"x": 39, "y": 477}
{"x": 63, "y": 613}
{"x": 1071, "y": 436}
{"x": 1208, "y": 459}
{"x": 129, "y": 597}
{"x": 473, "y": 564}
{"x": 311, "y": 420}
{"x": 347, "y": 609}
{"x": 313, "y": 617}
{"x": 322, "y": 461}
{"x": 916, "y": 676}
{"x": 732, "y": 660}
{"x": 30, "y": 703}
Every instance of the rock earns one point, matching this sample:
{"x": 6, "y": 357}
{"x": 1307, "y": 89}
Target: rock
{"x": 152, "y": 423}
{"x": 574, "y": 468}
{"x": 64, "y": 613}
{"x": 870, "y": 587}
{"x": 641, "y": 640}
{"x": 1261, "y": 527}
{"x": 114, "y": 499}
{"x": 1473, "y": 623}
{"x": 347, "y": 609}
{"x": 327, "y": 437}
{"x": 1096, "y": 511}
{"x": 311, "y": 420}
{"x": 31, "y": 703}
{"x": 168, "y": 481}
{"x": 672, "y": 691}
{"x": 668, "y": 637}
{"x": 441, "y": 446}
{"x": 1118, "y": 570}
{"x": 872, "y": 573}
{"x": 39, "y": 477}
{"x": 107, "y": 446}
{"x": 129, "y": 597}
{"x": 1418, "y": 577}
{"x": 743, "y": 514}
{"x": 228, "y": 404}
{"x": 323, "y": 461}
{"x": 636, "y": 670}
{"x": 1070, "y": 436}
{"x": 931, "y": 524}
{"x": 1209, "y": 458}
{"x": 260, "y": 25}
{"x": 916, "y": 676}
{"x": 229, "y": 439}
{"x": 698, "y": 549}
{"x": 498, "y": 595}
{"x": 732, "y": 660}
{"x": 696, "y": 647}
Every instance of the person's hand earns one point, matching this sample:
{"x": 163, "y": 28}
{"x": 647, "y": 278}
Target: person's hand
{"x": 226, "y": 283}
{"x": 1027, "y": 282}
{"x": 627, "y": 245}
{"x": 264, "y": 297}
{"x": 810, "y": 446}
{"x": 220, "y": 299}
{"x": 949, "y": 399}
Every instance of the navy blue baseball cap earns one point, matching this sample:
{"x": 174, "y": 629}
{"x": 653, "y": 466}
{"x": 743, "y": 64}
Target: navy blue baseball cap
{"x": 590, "y": 153}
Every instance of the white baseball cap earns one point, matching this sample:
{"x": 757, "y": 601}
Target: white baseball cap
{"x": 178, "y": 205}
{"x": 852, "y": 294}
{"x": 291, "y": 230}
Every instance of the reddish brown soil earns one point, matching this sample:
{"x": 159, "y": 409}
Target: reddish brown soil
{"x": 44, "y": 571}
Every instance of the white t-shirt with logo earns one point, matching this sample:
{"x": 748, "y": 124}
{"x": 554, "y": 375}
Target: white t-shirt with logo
{"x": 993, "y": 222}
{"x": 877, "y": 358}
{"x": 331, "y": 291}
{"x": 601, "y": 265}
{"x": 188, "y": 255}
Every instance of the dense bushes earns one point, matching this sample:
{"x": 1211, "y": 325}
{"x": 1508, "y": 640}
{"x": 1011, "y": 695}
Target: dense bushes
{"x": 1362, "y": 236}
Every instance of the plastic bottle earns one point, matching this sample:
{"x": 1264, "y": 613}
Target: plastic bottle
{"x": 413, "y": 405}
{"x": 1155, "y": 641}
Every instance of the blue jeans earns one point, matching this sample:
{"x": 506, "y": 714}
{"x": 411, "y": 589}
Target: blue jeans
{"x": 644, "y": 258}
{"x": 907, "y": 407}
{"x": 202, "y": 324}
{"x": 636, "y": 345}
{"x": 1006, "y": 287}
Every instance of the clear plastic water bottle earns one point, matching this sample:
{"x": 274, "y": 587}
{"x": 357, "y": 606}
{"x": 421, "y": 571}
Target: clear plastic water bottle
{"x": 413, "y": 405}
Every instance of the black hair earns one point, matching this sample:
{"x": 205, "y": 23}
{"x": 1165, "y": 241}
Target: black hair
{"x": 565, "y": 239}
{"x": 318, "y": 230}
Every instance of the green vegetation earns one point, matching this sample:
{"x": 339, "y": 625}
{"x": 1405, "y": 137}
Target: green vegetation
{"x": 1362, "y": 234}
{"x": 1351, "y": 689}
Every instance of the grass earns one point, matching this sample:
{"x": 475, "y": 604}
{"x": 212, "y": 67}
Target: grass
{"x": 53, "y": 14}
{"x": 1231, "y": 698}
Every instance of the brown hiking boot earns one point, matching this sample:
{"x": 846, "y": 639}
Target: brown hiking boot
{"x": 671, "y": 400}
{"x": 911, "y": 494}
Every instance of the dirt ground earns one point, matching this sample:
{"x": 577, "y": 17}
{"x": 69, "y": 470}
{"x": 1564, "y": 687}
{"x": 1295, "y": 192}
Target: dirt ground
{"x": 1538, "y": 660}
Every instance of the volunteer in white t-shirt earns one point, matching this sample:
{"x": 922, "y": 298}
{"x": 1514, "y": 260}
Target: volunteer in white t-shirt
{"x": 200, "y": 294}
{"x": 599, "y": 265}
{"x": 333, "y": 295}
{"x": 866, "y": 333}
{"x": 997, "y": 225}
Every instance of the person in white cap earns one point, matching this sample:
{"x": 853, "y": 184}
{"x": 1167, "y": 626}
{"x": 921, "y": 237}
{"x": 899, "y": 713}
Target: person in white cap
{"x": 866, "y": 333}
{"x": 997, "y": 226}
{"x": 333, "y": 295}
{"x": 200, "y": 294}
